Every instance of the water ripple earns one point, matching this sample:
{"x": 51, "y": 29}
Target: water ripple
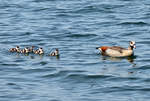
{"x": 76, "y": 27}
{"x": 140, "y": 23}
{"x": 81, "y": 35}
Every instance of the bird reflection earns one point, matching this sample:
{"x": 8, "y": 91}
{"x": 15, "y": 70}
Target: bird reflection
{"x": 129, "y": 59}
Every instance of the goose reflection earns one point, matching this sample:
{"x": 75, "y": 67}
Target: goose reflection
{"x": 130, "y": 59}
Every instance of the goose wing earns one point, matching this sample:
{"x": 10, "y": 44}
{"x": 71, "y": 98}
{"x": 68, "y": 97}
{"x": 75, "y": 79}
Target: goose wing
{"x": 117, "y": 48}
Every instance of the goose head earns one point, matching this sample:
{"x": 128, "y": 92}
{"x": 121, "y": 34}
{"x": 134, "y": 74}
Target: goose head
{"x": 132, "y": 45}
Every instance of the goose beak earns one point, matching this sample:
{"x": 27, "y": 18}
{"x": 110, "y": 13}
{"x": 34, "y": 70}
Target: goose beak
{"x": 134, "y": 46}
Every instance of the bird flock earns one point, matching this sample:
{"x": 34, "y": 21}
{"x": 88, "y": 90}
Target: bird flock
{"x": 114, "y": 51}
{"x": 31, "y": 49}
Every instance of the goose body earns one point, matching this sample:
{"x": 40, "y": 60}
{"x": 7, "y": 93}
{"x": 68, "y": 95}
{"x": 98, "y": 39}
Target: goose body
{"x": 31, "y": 49}
{"x": 12, "y": 50}
{"x": 116, "y": 51}
{"x": 25, "y": 50}
{"x": 54, "y": 53}
{"x": 39, "y": 51}
{"x": 17, "y": 49}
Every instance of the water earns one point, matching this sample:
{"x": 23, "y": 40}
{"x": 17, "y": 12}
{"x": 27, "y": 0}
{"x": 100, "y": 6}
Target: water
{"x": 76, "y": 27}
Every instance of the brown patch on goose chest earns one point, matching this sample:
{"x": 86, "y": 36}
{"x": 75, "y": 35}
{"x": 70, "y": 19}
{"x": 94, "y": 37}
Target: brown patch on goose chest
{"x": 104, "y": 48}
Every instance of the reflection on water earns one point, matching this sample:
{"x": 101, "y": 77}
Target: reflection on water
{"x": 129, "y": 59}
{"x": 35, "y": 56}
{"x": 57, "y": 57}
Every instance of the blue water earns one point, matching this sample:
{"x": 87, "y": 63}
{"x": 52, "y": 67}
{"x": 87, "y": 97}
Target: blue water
{"x": 76, "y": 27}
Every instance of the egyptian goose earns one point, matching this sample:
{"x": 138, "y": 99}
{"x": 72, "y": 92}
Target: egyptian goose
{"x": 54, "y": 53}
{"x": 116, "y": 51}
{"x": 31, "y": 49}
{"x": 25, "y": 50}
{"x": 39, "y": 51}
{"x": 17, "y": 49}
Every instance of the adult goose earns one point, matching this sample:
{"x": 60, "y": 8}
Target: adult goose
{"x": 116, "y": 51}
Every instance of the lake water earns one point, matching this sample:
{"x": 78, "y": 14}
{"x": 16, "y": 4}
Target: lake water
{"x": 76, "y": 27}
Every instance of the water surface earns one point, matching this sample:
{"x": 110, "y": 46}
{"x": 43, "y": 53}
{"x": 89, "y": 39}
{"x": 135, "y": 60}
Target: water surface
{"x": 76, "y": 27}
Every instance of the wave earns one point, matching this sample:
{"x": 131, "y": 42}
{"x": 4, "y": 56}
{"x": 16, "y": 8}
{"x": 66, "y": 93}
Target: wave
{"x": 63, "y": 73}
{"x": 81, "y": 35}
{"x": 133, "y": 23}
{"x": 145, "y": 67}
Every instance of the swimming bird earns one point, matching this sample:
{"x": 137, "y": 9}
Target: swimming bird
{"x": 31, "y": 49}
{"x": 25, "y": 50}
{"x": 116, "y": 51}
{"x": 17, "y": 49}
{"x": 54, "y": 53}
{"x": 36, "y": 51}
{"x": 39, "y": 51}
